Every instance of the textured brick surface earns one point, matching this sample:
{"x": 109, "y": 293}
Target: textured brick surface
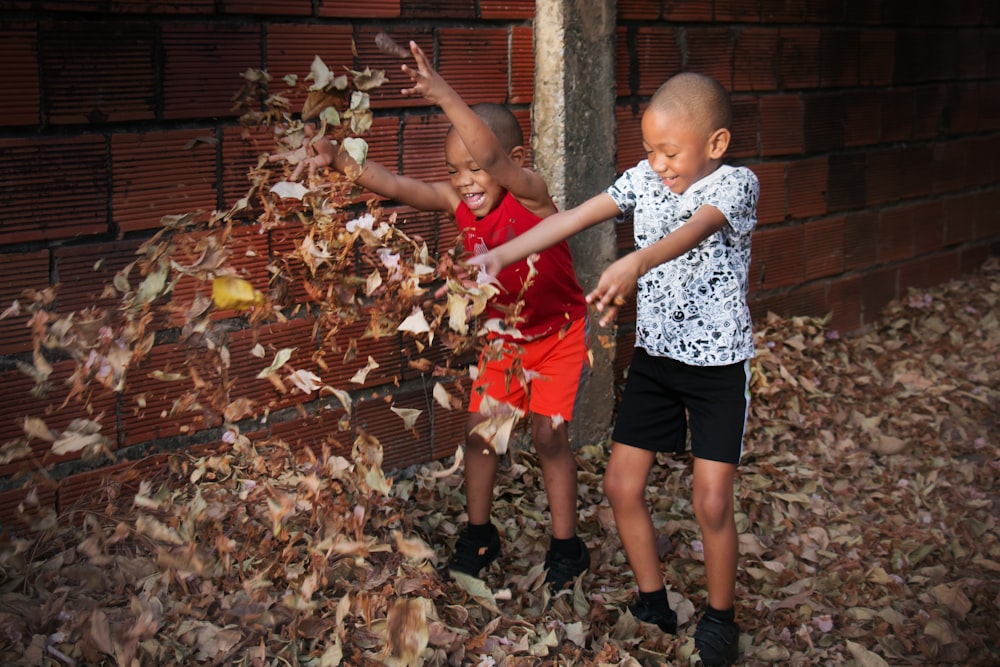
{"x": 74, "y": 201}
{"x": 181, "y": 180}
{"x": 98, "y": 73}
{"x": 755, "y": 61}
{"x": 781, "y": 125}
{"x": 20, "y": 272}
{"x": 777, "y": 259}
{"x": 202, "y": 67}
{"x": 19, "y": 54}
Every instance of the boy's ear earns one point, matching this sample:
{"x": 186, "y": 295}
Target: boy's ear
{"x": 718, "y": 143}
{"x": 518, "y": 154}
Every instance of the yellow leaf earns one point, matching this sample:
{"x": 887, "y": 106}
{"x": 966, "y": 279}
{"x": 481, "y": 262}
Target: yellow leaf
{"x": 232, "y": 293}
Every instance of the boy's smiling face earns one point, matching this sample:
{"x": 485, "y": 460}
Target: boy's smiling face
{"x": 480, "y": 192}
{"x": 678, "y": 148}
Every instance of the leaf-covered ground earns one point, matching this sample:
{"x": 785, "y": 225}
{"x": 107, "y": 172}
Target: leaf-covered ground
{"x": 868, "y": 516}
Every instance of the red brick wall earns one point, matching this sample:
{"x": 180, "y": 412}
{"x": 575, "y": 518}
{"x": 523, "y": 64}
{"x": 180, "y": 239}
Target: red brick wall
{"x": 873, "y": 127}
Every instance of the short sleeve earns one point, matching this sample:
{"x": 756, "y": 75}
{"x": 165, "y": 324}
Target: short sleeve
{"x": 736, "y": 196}
{"x": 623, "y": 192}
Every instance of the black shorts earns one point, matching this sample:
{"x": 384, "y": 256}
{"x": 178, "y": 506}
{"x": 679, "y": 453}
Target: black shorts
{"x": 662, "y": 395}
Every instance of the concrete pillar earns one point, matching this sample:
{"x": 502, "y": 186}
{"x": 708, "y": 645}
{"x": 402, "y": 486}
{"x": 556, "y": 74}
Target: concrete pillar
{"x": 574, "y": 150}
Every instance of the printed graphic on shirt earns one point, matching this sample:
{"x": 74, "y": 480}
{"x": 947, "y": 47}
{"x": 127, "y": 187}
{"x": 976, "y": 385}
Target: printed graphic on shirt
{"x": 693, "y": 308}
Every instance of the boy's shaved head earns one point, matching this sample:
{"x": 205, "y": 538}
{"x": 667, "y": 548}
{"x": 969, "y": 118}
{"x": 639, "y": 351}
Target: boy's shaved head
{"x": 700, "y": 98}
{"x": 502, "y": 122}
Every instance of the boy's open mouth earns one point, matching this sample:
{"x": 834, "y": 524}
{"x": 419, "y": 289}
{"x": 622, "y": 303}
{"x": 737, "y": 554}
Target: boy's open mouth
{"x": 475, "y": 200}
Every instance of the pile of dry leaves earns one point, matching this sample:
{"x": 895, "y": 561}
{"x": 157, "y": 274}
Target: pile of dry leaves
{"x": 868, "y": 518}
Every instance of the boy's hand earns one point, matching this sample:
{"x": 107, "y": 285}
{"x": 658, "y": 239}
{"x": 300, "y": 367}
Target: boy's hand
{"x": 488, "y": 264}
{"x": 426, "y": 81}
{"x": 325, "y": 154}
{"x": 617, "y": 282}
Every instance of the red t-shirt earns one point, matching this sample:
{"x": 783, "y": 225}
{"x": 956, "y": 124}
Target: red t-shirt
{"x": 554, "y": 297}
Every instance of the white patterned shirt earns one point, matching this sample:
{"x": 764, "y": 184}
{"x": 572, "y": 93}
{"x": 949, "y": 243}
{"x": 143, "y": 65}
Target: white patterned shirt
{"x": 693, "y": 308}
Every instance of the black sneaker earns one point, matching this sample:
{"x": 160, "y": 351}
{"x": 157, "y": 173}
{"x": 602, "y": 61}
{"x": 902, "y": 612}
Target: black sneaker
{"x": 471, "y": 556}
{"x": 665, "y": 621}
{"x": 718, "y": 642}
{"x": 562, "y": 570}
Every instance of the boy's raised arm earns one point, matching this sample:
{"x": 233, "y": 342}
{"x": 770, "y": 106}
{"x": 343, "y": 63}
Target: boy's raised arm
{"x": 483, "y": 145}
{"x": 548, "y": 232}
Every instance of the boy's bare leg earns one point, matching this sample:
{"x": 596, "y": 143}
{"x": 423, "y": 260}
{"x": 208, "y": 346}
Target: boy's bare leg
{"x": 481, "y": 465}
{"x": 625, "y": 486}
{"x": 713, "y": 508}
{"x": 558, "y": 472}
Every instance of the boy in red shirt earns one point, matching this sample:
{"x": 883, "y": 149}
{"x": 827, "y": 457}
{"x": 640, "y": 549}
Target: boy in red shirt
{"x": 494, "y": 198}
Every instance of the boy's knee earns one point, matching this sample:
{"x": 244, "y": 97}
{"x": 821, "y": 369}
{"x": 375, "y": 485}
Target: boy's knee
{"x": 620, "y": 488}
{"x": 714, "y": 512}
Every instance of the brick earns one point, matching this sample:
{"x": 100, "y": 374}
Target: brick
{"x": 638, "y": 10}
{"x": 24, "y": 510}
{"x": 763, "y": 302}
{"x": 950, "y": 158}
{"x": 847, "y": 187}
{"x": 929, "y": 115}
{"x": 745, "y": 127}
{"x": 928, "y": 227}
{"x": 881, "y": 176}
{"x": 755, "y": 64}
{"x": 19, "y": 54}
{"x": 278, "y": 7}
{"x": 928, "y": 271}
{"x": 823, "y": 242}
{"x": 807, "y": 181}
{"x": 625, "y": 236}
{"x": 626, "y": 72}
{"x": 781, "y": 131}
{"x": 823, "y": 122}
{"x": 423, "y": 147}
{"x": 449, "y": 425}
{"x": 96, "y": 73}
{"x": 19, "y": 272}
{"x": 507, "y": 9}
{"x": 295, "y": 334}
{"x": 161, "y": 173}
{"x": 838, "y": 58}
{"x": 177, "y": 7}
{"x": 895, "y": 234}
{"x": 808, "y": 301}
{"x": 880, "y": 287}
{"x": 989, "y": 106}
{"x": 860, "y": 240}
{"x": 240, "y": 149}
{"x": 522, "y": 65}
{"x": 960, "y": 214}
{"x": 84, "y": 271}
{"x": 982, "y": 168}
{"x": 202, "y": 67}
{"x": 329, "y": 429}
{"x": 911, "y": 160}
{"x": 973, "y": 54}
{"x": 73, "y": 202}
{"x": 388, "y": 95}
{"x": 291, "y": 48}
{"x": 844, "y": 303}
{"x": 737, "y": 11}
{"x": 152, "y": 409}
{"x": 924, "y": 56}
{"x": 376, "y": 9}
{"x": 862, "y": 110}
{"x": 797, "y": 52}
{"x": 710, "y": 52}
{"x": 401, "y": 446}
{"x": 876, "y": 57}
{"x": 95, "y": 488}
{"x": 782, "y": 11}
{"x": 658, "y": 57}
{"x": 348, "y": 348}
{"x": 53, "y": 406}
{"x": 897, "y": 115}
{"x": 475, "y": 62}
{"x": 629, "y": 138}
{"x": 988, "y": 215}
{"x": 772, "y": 206}
{"x": 453, "y": 9}
{"x": 961, "y": 109}
{"x": 973, "y": 257}
{"x": 685, "y": 10}
{"x": 777, "y": 259}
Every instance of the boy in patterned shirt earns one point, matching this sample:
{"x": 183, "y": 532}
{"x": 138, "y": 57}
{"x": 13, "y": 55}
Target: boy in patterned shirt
{"x": 693, "y": 219}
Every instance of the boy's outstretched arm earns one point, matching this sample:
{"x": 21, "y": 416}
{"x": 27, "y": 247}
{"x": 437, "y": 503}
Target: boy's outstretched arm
{"x": 548, "y": 232}
{"x": 619, "y": 280}
{"x": 484, "y": 147}
{"x": 379, "y": 179}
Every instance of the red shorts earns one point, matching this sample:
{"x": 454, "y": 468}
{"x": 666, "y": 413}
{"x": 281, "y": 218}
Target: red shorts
{"x": 554, "y": 367}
